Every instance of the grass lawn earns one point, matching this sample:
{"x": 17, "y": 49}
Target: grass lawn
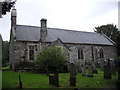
{"x": 32, "y": 80}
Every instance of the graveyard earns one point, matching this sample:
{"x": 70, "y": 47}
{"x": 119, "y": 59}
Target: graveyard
{"x": 10, "y": 79}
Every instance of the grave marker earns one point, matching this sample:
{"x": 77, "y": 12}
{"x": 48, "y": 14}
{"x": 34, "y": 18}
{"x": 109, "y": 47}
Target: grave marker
{"x": 72, "y": 74}
{"x": 90, "y": 74}
{"x": 83, "y": 70}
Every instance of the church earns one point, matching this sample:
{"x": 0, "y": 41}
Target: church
{"x": 80, "y": 47}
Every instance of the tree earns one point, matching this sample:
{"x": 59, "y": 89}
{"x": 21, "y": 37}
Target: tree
{"x": 5, "y": 53}
{"x": 51, "y": 59}
{"x": 6, "y": 6}
{"x": 112, "y": 32}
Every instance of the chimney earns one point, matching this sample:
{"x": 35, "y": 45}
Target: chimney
{"x": 13, "y": 17}
{"x": 43, "y": 30}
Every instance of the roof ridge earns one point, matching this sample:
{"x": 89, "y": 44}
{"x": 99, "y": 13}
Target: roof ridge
{"x": 72, "y": 30}
{"x": 28, "y": 26}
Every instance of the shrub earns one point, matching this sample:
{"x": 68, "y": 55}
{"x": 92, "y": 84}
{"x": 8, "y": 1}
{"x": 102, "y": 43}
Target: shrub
{"x": 51, "y": 59}
{"x": 24, "y": 65}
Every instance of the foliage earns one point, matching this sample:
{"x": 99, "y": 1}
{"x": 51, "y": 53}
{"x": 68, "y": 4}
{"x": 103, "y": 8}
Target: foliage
{"x": 112, "y": 32}
{"x": 6, "y": 68}
{"x": 23, "y": 65}
{"x": 118, "y": 58}
{"x": 6, "y": 6}
{"x": 117, "y": 61}
{"x": 5, "y": 53}
{"x": 51, "y": 59}
{"x": 32, "y": 80}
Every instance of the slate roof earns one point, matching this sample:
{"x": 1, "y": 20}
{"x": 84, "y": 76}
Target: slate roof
{"x": 32, "y": 33}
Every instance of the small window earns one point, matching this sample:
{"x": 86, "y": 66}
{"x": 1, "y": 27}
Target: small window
{"x": 101, "y": 53}
{"x": 31, "y": 55}
{"x": 36, "y": 47}
{"x": 80, "y": 54}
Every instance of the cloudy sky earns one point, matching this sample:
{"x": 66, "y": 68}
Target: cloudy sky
{"x": 81, "y": 15}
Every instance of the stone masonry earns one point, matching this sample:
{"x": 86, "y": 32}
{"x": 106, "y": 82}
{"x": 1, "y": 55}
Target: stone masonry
{"x": 21, "y": 47}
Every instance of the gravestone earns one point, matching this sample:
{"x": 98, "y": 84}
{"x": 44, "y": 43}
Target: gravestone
{"x": 102, "y": 65}
{"x": 113, "y": 68}
{"x": 118, "y": 72}
{"x": 90, "y": 73}
{"x": 20, "y": 82}
{"x": 83, "y": 70}
{"x": 72, "y": 74}
{"x": 97, "y": 64}
{"x": 51, "y": 80}
{"x": 54, "y": 80}
{"x": 94, "y": 71}
{"x": 117, "y": 65}
{"x": 107, "y": 71}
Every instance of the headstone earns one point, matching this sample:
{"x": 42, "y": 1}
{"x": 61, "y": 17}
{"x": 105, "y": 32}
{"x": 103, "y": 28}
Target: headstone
{"x": 113, "y": 68}
{"x": 94, "y": 71}
{"x": 51, "y": 80}
{"x": 90, "y": 73}
{"x": 83, "y": 70}
{"x": 107, "y": 71}
{"x": 20, "y": 82}
{"x": 102, "y": 62}
{"x": 118, "y": 73}
{"x": 117, "y": 64}
{"x": 98, "y": 64}
{"x": 54, "y": 80}
{"x": 72, "y": 74}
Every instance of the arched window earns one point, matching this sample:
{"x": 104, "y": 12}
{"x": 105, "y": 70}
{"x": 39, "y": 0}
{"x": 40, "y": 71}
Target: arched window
{"x": 80, "y": 54}
{"x": 31, "y": 54}
{"x": 101, "y": 53}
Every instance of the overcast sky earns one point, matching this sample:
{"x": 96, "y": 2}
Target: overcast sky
{"x": 81, "y": 15}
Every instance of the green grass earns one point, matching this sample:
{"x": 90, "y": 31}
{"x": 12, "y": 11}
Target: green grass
{"x": 4, "y": 68}
{"x": 31, "y": 80}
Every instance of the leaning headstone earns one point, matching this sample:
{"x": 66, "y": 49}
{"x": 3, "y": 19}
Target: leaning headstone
{"x": 72, "y": 74}
{"x": 83, "y": 70}
{"x": 90, "y": 73}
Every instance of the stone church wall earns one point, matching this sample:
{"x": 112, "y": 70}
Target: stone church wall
{"x": 21, "y": 50}
{"x": 109, "y": 53}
